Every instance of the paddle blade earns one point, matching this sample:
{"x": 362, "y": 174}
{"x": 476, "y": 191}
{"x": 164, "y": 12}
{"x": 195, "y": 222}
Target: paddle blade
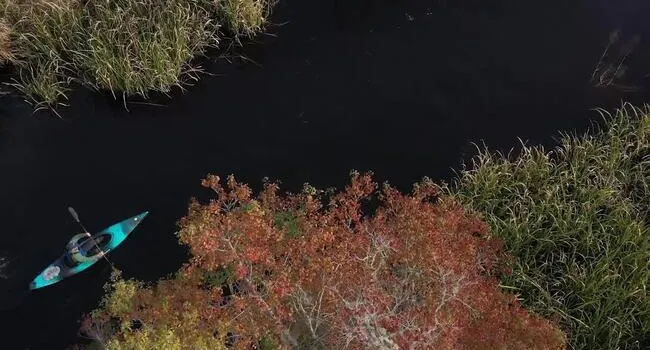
{"x": 73, "y": 213}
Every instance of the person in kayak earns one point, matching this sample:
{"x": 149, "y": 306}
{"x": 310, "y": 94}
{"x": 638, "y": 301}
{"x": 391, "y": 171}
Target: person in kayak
{"x": 74, "y": 253}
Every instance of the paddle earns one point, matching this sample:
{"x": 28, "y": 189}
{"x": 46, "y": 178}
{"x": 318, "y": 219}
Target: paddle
{"x": 75, "y": 216}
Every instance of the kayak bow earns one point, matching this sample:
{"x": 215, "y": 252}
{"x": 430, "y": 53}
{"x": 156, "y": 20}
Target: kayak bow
{"x": 106, "y": 240}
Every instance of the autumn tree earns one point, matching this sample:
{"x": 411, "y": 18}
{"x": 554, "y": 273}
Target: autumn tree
{"x": 327, "y": 270}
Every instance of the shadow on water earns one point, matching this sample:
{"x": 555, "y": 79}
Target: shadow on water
{"x": 397, "y": 87}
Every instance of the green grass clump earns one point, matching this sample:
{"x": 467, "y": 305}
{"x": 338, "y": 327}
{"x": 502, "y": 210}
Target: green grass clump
{"x": 128, "y": 47}
{"x": 576, "y": 221}
{"x": 135, "y": 46}
{"x": 41, "y": 33}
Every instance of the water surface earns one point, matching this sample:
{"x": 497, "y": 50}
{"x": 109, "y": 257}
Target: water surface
{"x": 397, "y": 87}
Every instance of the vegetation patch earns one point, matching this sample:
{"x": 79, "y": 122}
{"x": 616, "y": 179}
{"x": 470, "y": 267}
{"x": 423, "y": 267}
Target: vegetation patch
{"x": 128, "y": 47}
{"x": 289, "y": 222}
{"x": 415, "y": 274}
{"x": 222, "y": 276}
{"x": 575, "y": 219}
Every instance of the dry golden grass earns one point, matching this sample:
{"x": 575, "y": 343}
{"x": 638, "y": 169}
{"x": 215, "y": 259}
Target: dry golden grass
{"x": 245, "y": 18}
{"x": 6, "y": 54}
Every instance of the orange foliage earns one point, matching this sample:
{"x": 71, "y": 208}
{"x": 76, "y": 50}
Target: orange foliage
{"x": 419, "y": 273}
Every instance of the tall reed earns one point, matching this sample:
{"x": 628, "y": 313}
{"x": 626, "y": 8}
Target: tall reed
{"x": 576, "y": 220}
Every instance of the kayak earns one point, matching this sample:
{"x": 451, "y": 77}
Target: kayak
{"x": 104, "y": 241}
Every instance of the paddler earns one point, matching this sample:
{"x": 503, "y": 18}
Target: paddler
{"x": 73, "y": 252}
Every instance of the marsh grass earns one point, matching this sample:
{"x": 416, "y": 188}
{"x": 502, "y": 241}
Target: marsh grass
{"x": 128, "y": 47}
{"x": 576, "y": 221}
{"x": 146, "y": 45}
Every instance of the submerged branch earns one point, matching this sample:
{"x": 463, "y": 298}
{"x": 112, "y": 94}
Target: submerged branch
{"x": 3, "y": 264}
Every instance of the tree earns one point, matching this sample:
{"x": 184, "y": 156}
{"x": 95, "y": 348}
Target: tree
{"x": 290, "y": 271}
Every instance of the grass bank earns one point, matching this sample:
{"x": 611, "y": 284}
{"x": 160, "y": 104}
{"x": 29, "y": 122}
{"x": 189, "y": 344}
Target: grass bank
{"x": 129, "y": 47}
{"x": 576, "y": 220}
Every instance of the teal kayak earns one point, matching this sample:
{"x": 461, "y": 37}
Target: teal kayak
{"x": 104, "y": 241}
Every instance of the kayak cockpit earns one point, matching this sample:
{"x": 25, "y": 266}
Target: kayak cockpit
{"x": 89, "y": 247}
{"x": 94, "y": 245}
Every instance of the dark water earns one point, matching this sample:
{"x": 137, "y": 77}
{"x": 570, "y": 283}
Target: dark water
{"x": 397, "y": 87}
